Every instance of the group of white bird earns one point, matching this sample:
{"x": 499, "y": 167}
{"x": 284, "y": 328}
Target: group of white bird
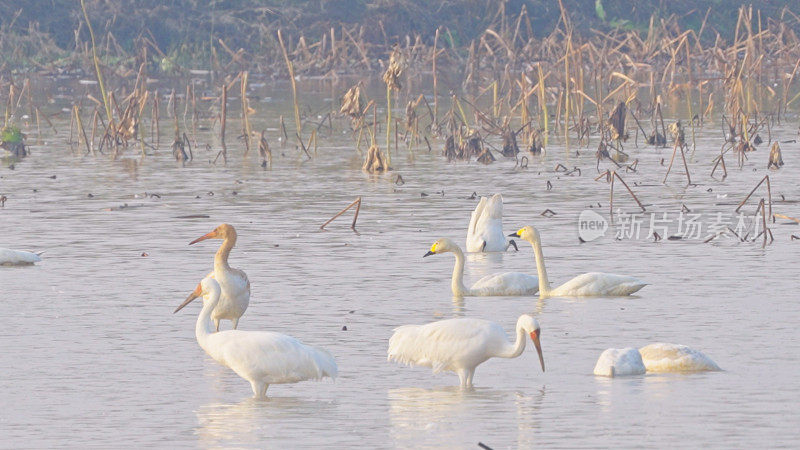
{"x": 457, "y": 345}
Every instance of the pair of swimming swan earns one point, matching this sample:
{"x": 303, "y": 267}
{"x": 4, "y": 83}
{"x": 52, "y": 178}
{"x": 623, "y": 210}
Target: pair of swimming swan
{"x": 592, "y": 284}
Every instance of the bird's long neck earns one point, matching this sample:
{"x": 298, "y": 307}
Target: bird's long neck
{"x": 221, "y": 258}
{"x": 205, "y": 326}
{"x": 544, "y": 283}
{"x": 457, "y": 283}
{"x": 515, "y": 349}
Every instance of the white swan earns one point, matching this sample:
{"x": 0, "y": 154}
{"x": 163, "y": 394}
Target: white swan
{"x": 592, "y": 284}
{"x": 619, "y": 362}
{"x": 460, "y": 345}
{"x": 260, "y": 357}
{"x": 485, "y": 232}
{"x": 10, "y": 257}
{"x": 508, "y": 283}
{"x": 661, "y": 357}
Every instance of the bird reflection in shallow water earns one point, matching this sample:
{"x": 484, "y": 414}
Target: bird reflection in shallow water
{"x": 436, "y": 417}
{"x": 253, "y": 421}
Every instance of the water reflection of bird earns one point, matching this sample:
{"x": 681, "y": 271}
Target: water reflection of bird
{"x": 260, "y": 357}
{"x": 591, "y": 284}
{"x": 485, "y": 232}
{"x": 507, "y": 283}
{"x": 233, "y": 282}
{"x": 10, "y": 257}
{"x": 460, "y": 345}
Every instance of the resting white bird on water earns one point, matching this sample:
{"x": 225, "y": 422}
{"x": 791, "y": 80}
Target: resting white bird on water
{"x": 460, "y": 345}
{"x": 260, "y": 357}
{"x": 485, "y": 232}
{"x": 508, "y": 283}
{"x": 591, "y": 284}
{"x": 653, "y": 358}
{"x": 661, "y": 357}
{"x": 233, "y": 282}
{"x": 10, "y": 257}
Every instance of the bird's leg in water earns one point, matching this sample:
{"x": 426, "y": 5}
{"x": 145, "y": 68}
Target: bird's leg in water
{"x": 462, "y": 375}
{"x": 216, "y": 324}
{"x": 235, "y": 323}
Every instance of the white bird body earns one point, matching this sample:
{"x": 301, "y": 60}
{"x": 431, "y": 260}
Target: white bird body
{"x": 10, "y": 257}
{"x": 260, "y": 357}
{"x": 619, "y": 362}
{"x": 661, "y": 357}
{"x": 591, "y": 284}
{"x": 234, "y": 283}
{"x": 460, "y": 345}
{"x": 485, "y": 232}
{"x": 508, "y": 283}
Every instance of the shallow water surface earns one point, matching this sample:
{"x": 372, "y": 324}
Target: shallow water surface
{"x": 93, "y": 354}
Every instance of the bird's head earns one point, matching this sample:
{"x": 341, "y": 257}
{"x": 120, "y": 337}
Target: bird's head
{"x": 223, "y": 231}
{"x": 531, "y": 326}
{"x": 207, "y": 288}
{"x": 527, "y": 233}
{"x": 442, "y": 245}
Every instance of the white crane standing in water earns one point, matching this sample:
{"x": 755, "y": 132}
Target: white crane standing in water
{"x": 460, "y": 345}
{"x": 260, "y": 357}
{"x": 233, "y": 282}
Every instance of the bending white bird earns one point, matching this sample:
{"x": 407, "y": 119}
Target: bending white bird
{"x": 485, "y": 232}
{"x": 592, "y": 284}
{"x": 619, "y": 362}
{"x": 460, "y": 345}
{"x": 260, "y": 357}
{"x": 508, "y": 283}
{"x": 10, "y": 257}
{"x": 233, "y": 282}
{"x": 661, "y": 357}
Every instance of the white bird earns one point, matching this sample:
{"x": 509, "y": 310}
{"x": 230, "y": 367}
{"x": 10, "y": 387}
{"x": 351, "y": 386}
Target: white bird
{"x": 485, "y": 232}
{"x": 508, "y": 283}
{"x": 460, "y": 345}
{"x": 10, "y": 257}
{"x": 233, "y": 282}
{"x": 591, "y": 284}
{"x": 619, "y": 362}
{"x": 661, "y": 357}
{"x": 260, "y": 357}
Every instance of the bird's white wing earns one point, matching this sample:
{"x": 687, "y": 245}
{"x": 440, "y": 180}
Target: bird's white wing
{"x": 472, "y": 236}
{"x": 599, "y": 284}
{"x": 282, "y": 358}
{"x": 661, "y": 357}
{"x": 439, "y": 344}
{"x": 508, "y": 283}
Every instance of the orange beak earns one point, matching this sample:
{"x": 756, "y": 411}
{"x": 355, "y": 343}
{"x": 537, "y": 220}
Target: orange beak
{"x": 538, "y": 345}
{"x": 210, "y": 235}
{"x": 198, "y": 291}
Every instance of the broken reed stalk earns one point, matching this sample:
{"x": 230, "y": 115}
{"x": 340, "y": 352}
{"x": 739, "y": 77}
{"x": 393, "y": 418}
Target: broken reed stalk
{"x": 720, "y": 160}
{"x": 435, "y": 97}
{"x": 679, "y": 145}
{"x": 223, "y": 118}
{"x": 356, "y": 203}
{"x": 97, "y": 65}
{"x": 769, "y": 196}
{"x": 290, "y": 67}
{"x": 613, "y": 175}
{"x": 89, "y": 149}
{"x": 245, "y": 114}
